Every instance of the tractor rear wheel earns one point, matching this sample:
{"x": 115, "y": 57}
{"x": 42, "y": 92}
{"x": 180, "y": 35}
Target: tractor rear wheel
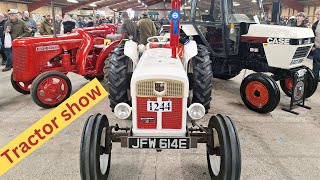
{"x": 50, "y": 89}
{"x": 202, "y": 77}
{"x": 21, "y": 87}
{"x": 119, "y": 79}
{"x": 311, "y": 84}
{"x": 222, "y": 70}
{"x": 223, "y": 149}
{"x": 95, "y": 148}
{"x": 260, "y": 93}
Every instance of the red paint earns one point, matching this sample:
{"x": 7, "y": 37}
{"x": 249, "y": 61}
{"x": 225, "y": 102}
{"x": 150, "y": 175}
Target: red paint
{"x": 257, "y": 94}
{"x": 289, "y": 83}
{"x": 173, "y": 120}
{"x": 252, "y": 39}
{"x": 143, "y": 113}
{"x": 174, "y": 38}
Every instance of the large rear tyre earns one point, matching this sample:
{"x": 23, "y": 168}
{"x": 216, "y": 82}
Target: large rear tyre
{"x": 21, "y": 87}
{"x": 311, "y": 84}
{"x": 95, "y": 148}
{"x": 223, "y": 149}
{"x": 202, "y": 77}
{"x": 119, "y": 80}
{"x": 50, "y": 89}
{"x": 260, "y": 93}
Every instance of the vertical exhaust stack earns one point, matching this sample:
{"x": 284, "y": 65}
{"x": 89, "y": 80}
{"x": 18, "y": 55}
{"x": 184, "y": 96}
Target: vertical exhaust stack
{"x": 175, "y": 16}
{"x": 53, "y": 19}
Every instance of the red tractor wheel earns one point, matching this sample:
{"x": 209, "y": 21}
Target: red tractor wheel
{"x": 260, "y": 93}
{"x": 21, "y": 87}
{"x": 50, "y": 89}
{"x": 311, "y": 84}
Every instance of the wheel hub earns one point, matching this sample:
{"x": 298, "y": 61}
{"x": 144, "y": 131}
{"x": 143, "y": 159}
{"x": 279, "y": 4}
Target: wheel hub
{"x": 257, "y": 93}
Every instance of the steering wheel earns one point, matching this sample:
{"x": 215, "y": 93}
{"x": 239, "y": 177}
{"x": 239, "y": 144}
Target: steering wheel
{"x": 159, "y": 39}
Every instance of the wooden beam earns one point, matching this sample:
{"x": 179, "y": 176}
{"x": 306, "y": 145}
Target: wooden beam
{"x": 293, "y": 5}
{"x": 35, "y": 5}
{"x": 76, "y": 6}
{"x": 109, "y": 3}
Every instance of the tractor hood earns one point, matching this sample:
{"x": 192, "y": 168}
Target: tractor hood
{"x": 274, "y": 31}
{"x": 158, "y": 64}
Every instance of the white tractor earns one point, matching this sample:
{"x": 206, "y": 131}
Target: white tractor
{"x": 231, "y": 32}
{"x": 160, "y": 87}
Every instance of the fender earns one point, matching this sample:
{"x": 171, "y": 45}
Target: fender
{"x": 131, "y": 50}
{"x": 190, "y": 51}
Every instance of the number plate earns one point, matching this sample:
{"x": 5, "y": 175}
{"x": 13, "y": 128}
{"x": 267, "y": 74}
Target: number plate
{"x": 159, "y": 106}
{"x": 158, "y": 143}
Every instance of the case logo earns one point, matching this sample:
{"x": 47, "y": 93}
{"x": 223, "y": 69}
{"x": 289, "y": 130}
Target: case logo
{"x": 159, "y": 88}
{"x": 278, "y": 41}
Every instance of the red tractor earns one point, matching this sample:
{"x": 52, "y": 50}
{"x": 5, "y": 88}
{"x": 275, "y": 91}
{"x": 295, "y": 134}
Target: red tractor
{"x": 40, "y": 64}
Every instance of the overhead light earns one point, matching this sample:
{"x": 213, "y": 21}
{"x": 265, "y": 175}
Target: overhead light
{"x": 139, "y": 1}
{"x": 236, "y": 4}
{"x": 118, "y": 3}
{"x": 146, "y": 6}
{"x": 93, "y": 5}
{"x": 143, "y": 4}
{"x": 206, "y": 10}
{"x": 73, "y": 1}
{"x": 115, "y": 9}
{"x": 254, "y": 1}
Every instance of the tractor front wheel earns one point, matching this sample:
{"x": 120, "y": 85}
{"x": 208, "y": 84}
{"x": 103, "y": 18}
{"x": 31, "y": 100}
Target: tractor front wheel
{"x": 21, "y": 87}
{"x": 260, "y": 93}
{"x": 202, "y": 77}
{"x": 95, "y": 148}
{"x": 50, "y": 89}
{"x": 223, "y": 149}
{"x": 311, "y": 84}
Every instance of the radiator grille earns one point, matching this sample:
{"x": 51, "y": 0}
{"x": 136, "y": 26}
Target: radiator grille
{"x": 19, "y": 58}
{"x": 145, "y": 119}
{"x": 301, "y": 52}
{"x": 145, "y": 88}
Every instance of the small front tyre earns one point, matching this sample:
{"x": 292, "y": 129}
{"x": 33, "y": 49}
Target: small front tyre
{"x": 260, "y": 93}
{"x": 21, "y": 87}
{"x": 95, "y": 148}
{"x": 223, "y": 149}
{"x": 50, "y": 89}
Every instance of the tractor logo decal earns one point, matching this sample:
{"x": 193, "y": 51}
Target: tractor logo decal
{"x": 159, "y": 88}
{"x": 47, "y": 48}
{"x": 299, "y": 90}
{"x": 278, "y": 41}
{"x": 147, "y": 119}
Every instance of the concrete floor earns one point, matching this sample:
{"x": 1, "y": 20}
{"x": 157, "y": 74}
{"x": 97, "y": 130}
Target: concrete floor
{"x": 278, "y": 145}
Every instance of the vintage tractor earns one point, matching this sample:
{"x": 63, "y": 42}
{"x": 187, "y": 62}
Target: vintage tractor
{"x": 40, "y": 64}
{"x": 159, "y": 92}
{"x": 235, "y": 39}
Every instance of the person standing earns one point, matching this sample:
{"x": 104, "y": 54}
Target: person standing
{"x": 58, "y": 23}
{"x": 2, "y": 22}
{"x": 31, "y": 24}
{"x": 300, "y": 20}
{"x": 146, "y": 27}
{"x": 316, "y": 48}
{"x": 68, "y": 24}
{"x": 129, "y": 28}
{"x": 46, "y": 27}
{"x": 16, "y": 28}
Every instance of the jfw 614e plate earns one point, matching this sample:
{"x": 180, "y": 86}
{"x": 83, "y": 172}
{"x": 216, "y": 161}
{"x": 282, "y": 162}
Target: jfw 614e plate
{"x": 159, "y": 106}
{"x": 158, "y": 143}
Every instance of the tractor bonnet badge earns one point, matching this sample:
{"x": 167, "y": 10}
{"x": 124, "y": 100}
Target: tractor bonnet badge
{"x": 47, "y": 48}
{"x": 159, "y": 88}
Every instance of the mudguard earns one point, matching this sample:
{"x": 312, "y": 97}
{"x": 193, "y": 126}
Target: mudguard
{"x": 131, "y": 50}
{"x": 190, "y": 50}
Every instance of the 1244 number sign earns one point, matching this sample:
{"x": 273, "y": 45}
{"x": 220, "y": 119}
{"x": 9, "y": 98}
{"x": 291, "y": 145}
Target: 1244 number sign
{"x": 159, "y": 106}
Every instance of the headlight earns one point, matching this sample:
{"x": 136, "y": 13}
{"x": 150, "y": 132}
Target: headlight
{"x": 196, "y": 111}
{"x": 122, "y": 111}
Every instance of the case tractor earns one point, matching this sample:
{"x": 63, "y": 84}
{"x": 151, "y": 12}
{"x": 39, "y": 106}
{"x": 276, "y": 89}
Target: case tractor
{"x": 231, "y": 32}
{"x": 160, "y": 92}
{"x": 40, "y": 64}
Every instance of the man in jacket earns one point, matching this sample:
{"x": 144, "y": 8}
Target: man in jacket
{"x": 129, "y": 28}
{"x": 46, "y": 27}
{"x": 16, "y": 28}
{"x": 2, "y": 22}
{"x": 146, "y": 27}
{"x": 31, "y": 24}
{"x": 316, "y": 48}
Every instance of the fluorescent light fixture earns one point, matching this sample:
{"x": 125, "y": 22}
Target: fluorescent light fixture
{"x": 146, "y": 6}
{"x": 143, "y": 4}
{"x": 73, "y": 1}
{"x": 93, "y": 5}
{"x": 254, "y": 1}
{"x": 115, "y": 9}
{"x": 139, "y": 1}
{"x": 236, "y": 4}
{"x": 206, "y": 10}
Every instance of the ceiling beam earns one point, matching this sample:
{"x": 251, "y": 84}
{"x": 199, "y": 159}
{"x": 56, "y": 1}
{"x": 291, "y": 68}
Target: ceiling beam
{"x": 292, "y": 4}
{"x": 35, "y": 5}
{"x": 109, "y": 3}
{"x": 76, "y": 6}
